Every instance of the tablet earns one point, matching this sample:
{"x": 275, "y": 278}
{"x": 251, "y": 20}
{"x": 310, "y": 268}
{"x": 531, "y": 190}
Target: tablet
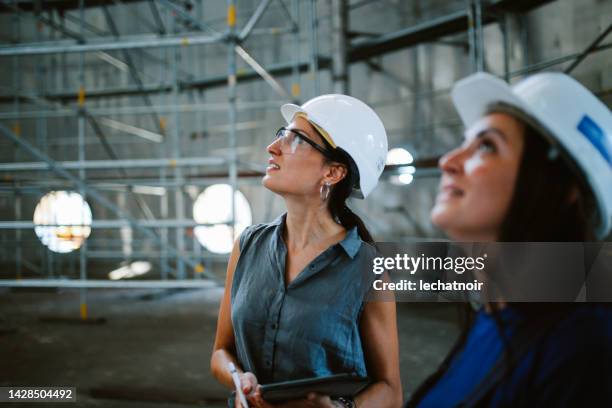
{"x": 339, "y": 385}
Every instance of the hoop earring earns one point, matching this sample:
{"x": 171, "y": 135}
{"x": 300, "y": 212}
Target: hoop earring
{"x": 324, "y": 191}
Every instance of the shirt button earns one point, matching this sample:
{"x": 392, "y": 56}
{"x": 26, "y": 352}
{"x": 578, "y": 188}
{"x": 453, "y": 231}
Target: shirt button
{"x": 274, "y": 326}
{"x": 268, "y": 363}
{"x": 312, "y": 266}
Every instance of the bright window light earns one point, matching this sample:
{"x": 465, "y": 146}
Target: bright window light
{"x": 398, "y": 156}
{"x": 405, "y": 177}
{"x": 62, "y": 221}
{"x": 131, "y": 270}
{"x": 213, "y": 206}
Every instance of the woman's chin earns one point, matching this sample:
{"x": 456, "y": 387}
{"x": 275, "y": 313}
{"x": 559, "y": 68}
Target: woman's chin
{"x": 440, "y": 215}
{"x": 266, "y": 182}
{"x": 271, "y": 184}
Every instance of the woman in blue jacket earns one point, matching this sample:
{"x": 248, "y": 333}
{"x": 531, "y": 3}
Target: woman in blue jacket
{"x": 535, "y": 166}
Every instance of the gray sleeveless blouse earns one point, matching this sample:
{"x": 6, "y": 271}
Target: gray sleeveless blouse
{"x": 309, "y": 328}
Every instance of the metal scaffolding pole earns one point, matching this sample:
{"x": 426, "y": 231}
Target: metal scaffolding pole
{"x": 231, "y": 93}
{"x": 480, "y": 61}
{"x": 504, "y": 26}
{"x": 61, "y": 80}
{"x": 108, "y": 284}
{"x": 82, "y": 40}
{"x": 18, "y": 251}
{"x": 111, "y": 224}
{"x": 123, "y": 43}
{"x": 143, "y": 110}
{"x": 200, "y": 65}
{"x": 155, "y": 186}
{"x": 103, "y": 201}
{"x": 233, "y": 38}
{"x": 113, "y": 164}
{"x": 296, "y": 89}
{"x": 164, "y": 231}
{"x": 180, "y": 12}
{"x": 248, "y": 27}
{"x": 132, "y": 69}
{"x": 82, "y": 175}
{"x": 164, "y": 200}
{"x": 475, "y": 35}
{"x": 524, "y": 33}
{"x": 417, "y": 108}
{"x": 260, "y": 70}
{"x": 17, "y": 130}
{"x": 65, "y": 96}
{"x": 82, "y": 113}
{"x": 161, "y": 28}
{"x": 176, "y": 151}
{"x": 41, "y": 125}
{"x": 589, "y": 49}
{"x": 236, "y": 40}
{"x": 314, "y": 49}
{"x": 339, "y": 46}
{"x": 555, "y": 61}
{"x": 146, "y": 254}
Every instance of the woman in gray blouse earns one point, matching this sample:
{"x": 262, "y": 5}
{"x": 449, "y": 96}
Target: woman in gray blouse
{"x": 294, "y": 304}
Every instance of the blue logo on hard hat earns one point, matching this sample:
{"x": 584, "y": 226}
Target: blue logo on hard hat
{"x": 596, "y": 136}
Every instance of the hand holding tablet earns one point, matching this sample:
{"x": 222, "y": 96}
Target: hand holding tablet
{"x": 339, "y": 385}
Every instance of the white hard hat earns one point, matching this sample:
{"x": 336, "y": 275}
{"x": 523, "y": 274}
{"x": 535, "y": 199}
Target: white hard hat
{"x": 350, "y": 124}
{"x": 566, "y": 110}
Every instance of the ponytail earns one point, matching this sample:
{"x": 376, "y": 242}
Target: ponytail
{"x": 340, "y": 192}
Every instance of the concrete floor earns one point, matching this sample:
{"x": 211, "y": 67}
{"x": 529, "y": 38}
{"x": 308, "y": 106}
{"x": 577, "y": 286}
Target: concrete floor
{"x": 155, "y": 346}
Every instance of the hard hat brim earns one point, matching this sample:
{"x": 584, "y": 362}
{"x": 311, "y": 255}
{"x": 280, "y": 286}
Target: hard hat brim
{"x": 474, "y": 95}
{"x": 289, "y": 110}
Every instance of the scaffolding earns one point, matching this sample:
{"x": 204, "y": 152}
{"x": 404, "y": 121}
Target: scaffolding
{"x": 176, "y": 27}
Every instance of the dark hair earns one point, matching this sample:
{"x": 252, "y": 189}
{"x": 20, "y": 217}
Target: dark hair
{"x": 542, "y": 209}
{"x": 342, "y": 190}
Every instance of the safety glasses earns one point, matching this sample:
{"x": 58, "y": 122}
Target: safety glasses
{"x": 294, "y": 141}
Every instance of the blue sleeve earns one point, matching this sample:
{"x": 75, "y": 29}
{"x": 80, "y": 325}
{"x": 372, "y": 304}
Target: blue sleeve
{"x": 574, "y": 367}
{"x": 583, "y": 380}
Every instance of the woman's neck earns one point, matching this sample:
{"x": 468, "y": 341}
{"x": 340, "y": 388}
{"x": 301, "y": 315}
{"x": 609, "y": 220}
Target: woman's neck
{"x": 309, "y": 223}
